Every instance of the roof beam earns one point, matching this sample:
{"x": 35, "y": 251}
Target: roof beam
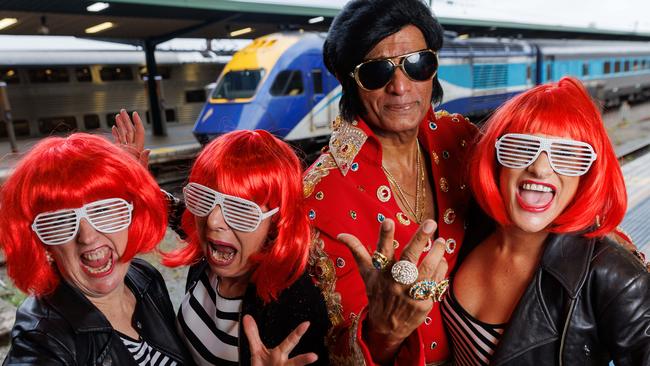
{"x": 239, "y": 6}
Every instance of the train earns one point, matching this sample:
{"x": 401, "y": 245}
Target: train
{"x": 279, "y": 82}
{"x": 61, "y": 84}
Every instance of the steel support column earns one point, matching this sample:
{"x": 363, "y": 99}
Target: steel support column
{"x": 5, "y": 115}
{"x": 158, "y": 123}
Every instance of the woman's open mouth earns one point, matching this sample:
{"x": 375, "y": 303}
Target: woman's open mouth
{"x": 221, "y": 253}
{"x": 535, "y": 196}
{"x": 97, "y": 262}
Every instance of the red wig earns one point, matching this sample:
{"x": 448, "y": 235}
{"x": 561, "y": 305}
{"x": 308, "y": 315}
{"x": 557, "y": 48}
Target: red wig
{"x": 562, "y": 109}
{"x": 61, "y": 173}
{"x": 256, "y": 166}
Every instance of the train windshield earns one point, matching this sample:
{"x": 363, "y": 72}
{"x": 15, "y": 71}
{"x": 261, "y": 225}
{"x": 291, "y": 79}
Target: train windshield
{"x": 238, "y": 84}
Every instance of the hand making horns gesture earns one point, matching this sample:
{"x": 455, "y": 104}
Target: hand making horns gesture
{"x": 262, "y": 356}
{"x": 400, "y": 292}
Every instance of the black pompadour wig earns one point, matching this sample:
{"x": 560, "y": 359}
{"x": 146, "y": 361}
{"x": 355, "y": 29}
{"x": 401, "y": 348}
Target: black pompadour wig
{"x": 359, "y": 27}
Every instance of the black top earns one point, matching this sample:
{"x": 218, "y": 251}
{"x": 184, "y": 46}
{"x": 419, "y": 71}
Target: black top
{"x": 65, "y": 328}
{"x": 302, "y": 301}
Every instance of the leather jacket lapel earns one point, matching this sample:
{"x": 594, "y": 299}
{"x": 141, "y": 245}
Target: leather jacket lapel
{"x": 566, "y": 258}
{"x": 530, "y": 326}
{"x": 77, "y": 310}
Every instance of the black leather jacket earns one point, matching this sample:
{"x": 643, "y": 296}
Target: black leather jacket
{"x": 588, "y": 303}
{"x": 64, "y": 328}
{"x": 299, "y": 302}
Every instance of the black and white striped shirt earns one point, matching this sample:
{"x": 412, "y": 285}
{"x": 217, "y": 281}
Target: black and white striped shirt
{"x": 473, "y": 341}
{"x": 209, "y": 323}
{"x": 144, "y": 354}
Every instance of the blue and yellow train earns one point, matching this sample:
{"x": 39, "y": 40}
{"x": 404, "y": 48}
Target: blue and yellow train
{"x": 279, "y": 82}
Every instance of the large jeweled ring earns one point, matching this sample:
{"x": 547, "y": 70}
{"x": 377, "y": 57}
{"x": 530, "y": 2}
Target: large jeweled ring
{"x": 440, "y": 290}
{"x": 423, "y": 290}
{"x": 379, "y": 261}
{"x": 404, "y": 272}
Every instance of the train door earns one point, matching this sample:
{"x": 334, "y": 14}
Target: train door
{"x": 563, "y": 67}
{"x": 319, "y": 116}
{"x": 549, "y": 66}
{"x": 318, "y": 112}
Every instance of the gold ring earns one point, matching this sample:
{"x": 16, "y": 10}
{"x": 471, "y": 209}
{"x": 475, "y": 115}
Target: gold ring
{"x": 423, "y": 290}
{"x": 440, "y": 290}
{"x": 379, "y": 261}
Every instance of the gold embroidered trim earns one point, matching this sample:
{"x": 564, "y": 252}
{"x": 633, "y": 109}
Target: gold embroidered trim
{"x": 441, "y": 113}
{"x": 345, "y": 143}
{"x": 342, "y": 360}
{"x": 357, "y": 353}
{"x": 320, "y": 169}
{"x": 323, "y": 270}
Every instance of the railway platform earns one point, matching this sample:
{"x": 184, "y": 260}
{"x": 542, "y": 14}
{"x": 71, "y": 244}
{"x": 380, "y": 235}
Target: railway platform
{"x": 178, "y": 144}
{"x": 637, "y": 218}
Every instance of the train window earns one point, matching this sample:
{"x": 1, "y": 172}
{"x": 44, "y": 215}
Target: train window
{"x": 549, "y": 72}
{"x": 47, "y": 126}
{"x": 529, "y": 72}
{"x": 21, "y": 128}
{"x": 9, "y": 75}
{"x": 83, "y": 74}
{"x": 585, "y": 69}
{"x": 626, "y": 66}
{"x": 110, "y": 119}
{"x": 643, "y": 64}
{"x": 91, "y": 121}
{"x": 115, "y": 73}
{"x": 49, "y": 75}
{"x": 636, "y": 65}
{"x": 170, "y": 115}
{"x": 317, "y": 77}
{"x": 164, "y": 71}
{"x": 288, "y": 82}
{"x": 195, "y": 96}
{"x": 617, "y": 66}
{"x": 238, "y": 84}
{"x": 607, "y": 67}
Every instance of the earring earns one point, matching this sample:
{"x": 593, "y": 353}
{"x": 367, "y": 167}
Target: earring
{"x": 598, "y": 221}
{"x": 49, "y": 257}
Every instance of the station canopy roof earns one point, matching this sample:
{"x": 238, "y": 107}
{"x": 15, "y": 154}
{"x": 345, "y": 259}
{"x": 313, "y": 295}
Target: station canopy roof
{"x": 159, "y": 20}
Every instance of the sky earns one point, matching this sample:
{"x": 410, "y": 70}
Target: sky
{"x": 625, "y": 15}
{"x": 620, "y": 15}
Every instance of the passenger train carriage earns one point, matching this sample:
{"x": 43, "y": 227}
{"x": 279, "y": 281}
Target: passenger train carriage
{"x": 279, "y": 82}
{"x": 62, "y": 84}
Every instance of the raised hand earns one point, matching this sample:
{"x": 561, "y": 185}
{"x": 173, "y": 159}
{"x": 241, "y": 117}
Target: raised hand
{"x": 129, "y": 135}
{"x": 392, "y": 313}
{"x": 262, "y": 356}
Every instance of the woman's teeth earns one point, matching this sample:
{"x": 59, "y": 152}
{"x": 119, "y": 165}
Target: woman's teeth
{"x": 97, "y": 261}
{"x": 95, "y": 255}
{"x": 222, "y": 253}
{"x": 103, "y": 269}
{"x": 536, "y": 187}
